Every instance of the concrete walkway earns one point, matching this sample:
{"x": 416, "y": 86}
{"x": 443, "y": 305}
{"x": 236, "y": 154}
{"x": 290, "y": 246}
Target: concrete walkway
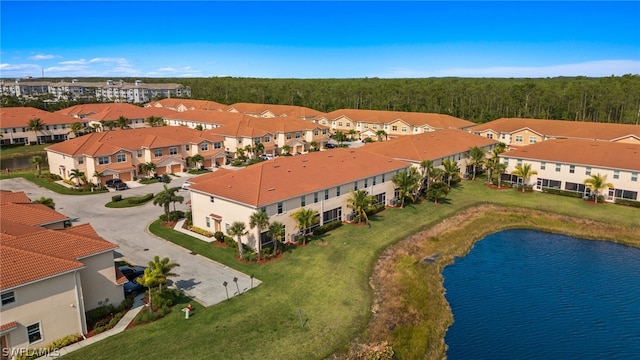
{"x": 138, "y": 305}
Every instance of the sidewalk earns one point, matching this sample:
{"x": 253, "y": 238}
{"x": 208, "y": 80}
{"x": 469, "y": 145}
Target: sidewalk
{"x": 178, "y": 227}
{"x": 138, "y": 305}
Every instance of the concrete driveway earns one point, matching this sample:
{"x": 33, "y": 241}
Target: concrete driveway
{"x": 199, "y": 277}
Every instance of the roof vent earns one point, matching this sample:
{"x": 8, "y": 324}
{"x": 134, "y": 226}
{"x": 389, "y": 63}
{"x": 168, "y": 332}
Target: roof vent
{"x": 271, "y": 189}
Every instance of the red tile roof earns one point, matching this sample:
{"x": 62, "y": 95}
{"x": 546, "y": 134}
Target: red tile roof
{"x": 110, "y": 142}
{"x": 562, "y": 128}
{"x": 436, "y": 121}
{"x": 429, "y": 146}
{"x": 278, "y": 110}
{"x": 120, "y": 278}
{"x": 582, "y": 152}
{"x": 218, "y": 118}
{"x": 112, "y": 111}
{"x": 30, "y": 214}
{"x": 13, "y": 117}
{"x": 250, "y": 126}
{"x": 190, "y": 104}
{"x": 7, "y": 196}
{"x": 8, "y": 326}
{"x": 279, "y": 179}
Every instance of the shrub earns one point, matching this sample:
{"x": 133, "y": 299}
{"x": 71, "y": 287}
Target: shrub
{"x": 562, "y": 192}
{"x": 229, "y": 241}
{"x": 327, "y": 227}
{"x": 173, "y": 216}
{"x": 219, "y": 236}
{"x": 49, "y": 349}
{"x": 165, "y": 178}
{"x": 374, "y": 209}
{"x": 200, "y": 231}
{"x": 140, "y": 199}
{"x": 93, "y": 316}
{"x": 116, "y": 198}
{"x": 628, "y": 202}
{"x": 167, "y": 298}
{"x": 249, "y": 256}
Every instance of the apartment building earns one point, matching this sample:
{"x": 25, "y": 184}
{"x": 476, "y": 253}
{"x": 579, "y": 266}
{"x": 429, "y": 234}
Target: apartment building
{"x": 516, "y": 132}
{"x": 205, "y": 119}
{"x": 369, "y": 123}
{"x": 187, "y": 104}
{"x": 24, "y": 88}
{"x": 320, "y": 181}
{"x": 273, "y": 110}
{"x": 50, "y": 278}
{"x": 565, "y": 163}
{"x": 121, "y": 154}
{"x": 99, "y": 113}
{"x": 14, "y": 126}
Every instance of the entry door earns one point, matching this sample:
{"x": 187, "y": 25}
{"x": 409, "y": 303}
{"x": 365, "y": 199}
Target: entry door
{"x": 539, "y": 184}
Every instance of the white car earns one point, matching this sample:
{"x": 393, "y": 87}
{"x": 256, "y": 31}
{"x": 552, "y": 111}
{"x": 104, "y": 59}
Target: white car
{"x": 266, "y": 156}
{"x": 185, "y": 185}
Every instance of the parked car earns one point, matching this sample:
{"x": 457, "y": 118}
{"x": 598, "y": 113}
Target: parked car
{"x": 131, "y": 272}
{"x": 266, "y": 156}
{"x": 185, "y": 185}
{"x": 330, "y": 146}
{"x": 120, "y": 186}
{"x": 111, "y": 183}
{"x": 133, "y": 288}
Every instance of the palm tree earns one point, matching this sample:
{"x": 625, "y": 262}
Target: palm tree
{"x": 450, "y": 170}
{"x": 148, "y": 168}
{"x": 164, "y": 199}
{"x": 162, "y": 268}
{"x": 476, "y": 157}
{"x": 276, "y": 232}
{"x": 426, "y": 167}
{"x": 98, "y": 175}
{"x": 238, "y": 229}
{"x": 150, "y": 279}
{"x": 313, "y": 146}
{"x": 524, "y": 171}
{"x": 438, "y": 191}
{"x": 38, "y": 162}
{"x": 75, "y": 128}
{"x": 96, "y": 127}
{"x": 406, "y": 183}
{"x": 199, "y": 127}
{"x": 77, "y": 175}
{"x": 340, "y": 137}
{"x": 381, "y": 134}
{"x": 352, "y": 134}
{"x": 174, "y": 197}
{"x": 259, "y": 219}
{"x": 195, "y": 160}
{"x": 285, "y": 149}
{"x": 35, "y": 125}
{"x": 259, "y": 149}
{"x": 155, "y": 121}
{"x": 500, "y": 168}
{"x": 596, "y": 183}
{"x": 249, "y": 150}
{"x": 360, "y": 201}
{"x": 123, "y": 122}
{"x": 305, "y": 218}
{"x": 48, "y": 202}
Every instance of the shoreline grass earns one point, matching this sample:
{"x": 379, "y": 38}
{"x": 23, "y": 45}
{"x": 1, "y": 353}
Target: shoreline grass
{"x": 23, "y": 151}
{"x": 329, "y": 281}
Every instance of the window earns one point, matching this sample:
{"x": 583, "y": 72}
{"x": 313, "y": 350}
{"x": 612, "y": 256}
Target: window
{"x": 217, "y": 145}
{"x": 404, "y": 129}
{"x": 519, "y": 138}
{"x": 572, "y": 169}
{"x": 186, "y": 147}
{"x": 103, "y": 160}
{"x": 81, "y": 160}
{"x": 634, "y": 176}
{"x": 374, "y": 126}
{"x": 280, "y": 209}
{"x": 489, "y": 136}
{"x": 326, "y": 194}
{"x": 204, "y": 146}
{"x": 212, "y": 199}
{"x": 382, "y": 178}
{"x": 139, "y": 153}
{"x": 324, "y": 131}
{"x": 256, "y": 140}
{"x": 373, "y": 182}
{"x": 558, "y": 167}
{"x": 8, "y": 298}
{"x": 298, "y": 135}
{"x": 519, "y": 162}
{"x": 208, "y": 219}
{"x": 616, "y": 174}
{"x": 543, "y": 165}
{"x": 121, "y": 158}
{"x": 339, "y": 123}
{"x": 173, "y": 150}
{"x": 380, "y": 199}
{"x": 355, "y": 185}
{"x": 157, "y": 152}
{"x": 315, "y": 197}
{"x": 503, "y": 136}
{"x": 394, "y": 128}
{"x": 303, "y": 200}
{"x": 288, "y": 136}
{"x": 348, "y": 124}
{"x": 337, "y": 190}
{"x": 533, "y": 139}
{"x": 366, "y": 126}
{"x": 332, "y": 215}
{"x": 587, "y": 171}
{"x": 33, "y": 333}
{"x": 267, "y": 139}
{"x": 366, "y": 183}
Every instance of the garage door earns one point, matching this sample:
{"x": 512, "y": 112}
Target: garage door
{"x": 104, "y": 179}
{"x": 207, "y": 163}
{"x": 176, "y": 168}
{"x": 125, "y": 176}
{"x": 161, "y": 170}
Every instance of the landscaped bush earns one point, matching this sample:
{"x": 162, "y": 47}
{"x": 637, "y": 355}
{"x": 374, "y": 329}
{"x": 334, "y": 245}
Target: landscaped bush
{"x": 562, "y": 192}
{"x": 167, "y": 298}
{"x": 116, "y": 198}
{"x": 201, "y": 231}
{"x": 49, "y": 349}
{"x": 173, "y": 216}
{"x": 219, "y": 235}
{"x": 374, "y": 209}
{"x": 53, "y": 177}
{"x": 229, "y": 241}
{"x": 140, "y": 199}
{"x": 148, "y": 181}
{"x": 249, "y": 256}
{"x": 327, "y": 227}
{"x": 628, "y": 202}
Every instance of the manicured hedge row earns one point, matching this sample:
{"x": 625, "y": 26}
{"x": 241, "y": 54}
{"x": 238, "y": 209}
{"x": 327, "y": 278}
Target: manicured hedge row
{"x": 628, "y": 202}
{"x": 140, "y": 199}
{"x": 327, "y": 227}
{"x": 562, "y": 192}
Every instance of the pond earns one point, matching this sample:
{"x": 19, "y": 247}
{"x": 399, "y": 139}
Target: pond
{"x": 522, "y": 294}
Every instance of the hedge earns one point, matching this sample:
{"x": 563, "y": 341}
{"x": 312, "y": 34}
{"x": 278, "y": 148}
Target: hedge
{"x": 562, "y": 192}
{"x": 200, "y": 231}
{"x": 327, "y": 227}
{"x": 140, "y": 199}
{"x": 627, "y": 202}
{"x": 116, "y": 198}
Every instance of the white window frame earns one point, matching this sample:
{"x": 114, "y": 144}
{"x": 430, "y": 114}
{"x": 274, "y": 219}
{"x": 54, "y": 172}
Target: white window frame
{"x": 101, "y": 160}
{"x": 157, "y": 151}
{"x": 518, "y": 138}
{"x": 121, "y": 158}
{"x": 39, "y": 332}
{"x": 204, "y": 146}
{"x": 173, "y": 150}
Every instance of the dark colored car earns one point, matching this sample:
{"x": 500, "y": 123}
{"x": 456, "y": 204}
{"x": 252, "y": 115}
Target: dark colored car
{"x": 131, "y": 272}
{"x": 133, "y": 288}
{"x": 330, "y": 146}
{"x": 120, "y": 186}
{"x": 111, "y": 183}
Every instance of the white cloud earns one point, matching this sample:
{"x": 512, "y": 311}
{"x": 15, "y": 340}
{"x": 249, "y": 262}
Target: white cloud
{"x": 19, "y": 70}
{"x": 41, "y": 57}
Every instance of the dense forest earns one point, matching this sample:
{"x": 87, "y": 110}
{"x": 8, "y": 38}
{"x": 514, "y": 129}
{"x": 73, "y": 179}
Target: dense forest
{"x": 610, "y": 99}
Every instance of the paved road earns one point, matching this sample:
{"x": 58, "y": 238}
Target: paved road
{"x": 199, "y": 277}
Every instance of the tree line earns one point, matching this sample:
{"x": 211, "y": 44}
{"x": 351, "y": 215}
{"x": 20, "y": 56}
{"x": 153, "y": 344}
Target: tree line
{"x": 614, "y": 99}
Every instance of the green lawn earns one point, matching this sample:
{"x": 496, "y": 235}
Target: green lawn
{"x": 328, "y": 280}
{"x": 21, "y": 151}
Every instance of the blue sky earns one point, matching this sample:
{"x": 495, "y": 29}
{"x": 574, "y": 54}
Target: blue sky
{"x": 308, "y": 39}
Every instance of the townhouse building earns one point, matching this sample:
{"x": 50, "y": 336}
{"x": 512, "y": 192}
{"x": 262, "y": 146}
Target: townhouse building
{"x": 99, "y": 113}
{"x": 50, "y": 277}
{"x": 187, "y": 104}
{"x": 14, "y": 126}
{"x": 452, "y": 144}
{"x": 121, "y": 154}
{"x": 206, "y": 119}
{"x": 275, "y": 134}
{"x": 565, "y": 163}
{"x": 273, "y": 110}
{"x": 320, "y": 181}
{"x": 368, "y": 123}
{"x": 516, "y": 132}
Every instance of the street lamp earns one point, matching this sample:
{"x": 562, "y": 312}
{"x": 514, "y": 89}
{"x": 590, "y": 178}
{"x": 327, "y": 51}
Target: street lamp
{"x": 235, "y": 280}
{"x": 225, "y": 289}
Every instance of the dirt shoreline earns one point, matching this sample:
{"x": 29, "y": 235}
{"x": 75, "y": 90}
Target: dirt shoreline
{"x": 409, "y": 309}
